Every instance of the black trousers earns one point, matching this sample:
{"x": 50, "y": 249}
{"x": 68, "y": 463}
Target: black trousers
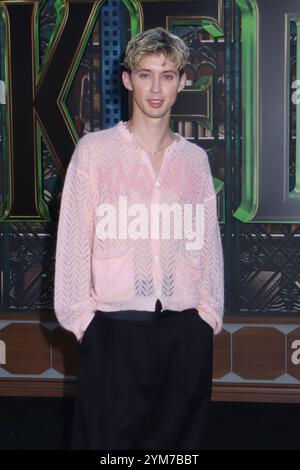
{"x": 144, "y": 381}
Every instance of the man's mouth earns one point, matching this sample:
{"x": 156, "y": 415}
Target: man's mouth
{"x": 155, "y": 103}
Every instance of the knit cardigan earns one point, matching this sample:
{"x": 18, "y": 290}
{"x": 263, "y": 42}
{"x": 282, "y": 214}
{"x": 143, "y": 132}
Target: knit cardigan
{"x": 111, "y": 252}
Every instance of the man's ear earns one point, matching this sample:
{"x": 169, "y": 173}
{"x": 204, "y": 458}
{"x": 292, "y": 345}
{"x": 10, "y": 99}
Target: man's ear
{"x": 126, "y": 80}
{"x": 182, "y": 81}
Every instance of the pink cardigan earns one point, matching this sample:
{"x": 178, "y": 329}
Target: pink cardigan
{"x": 133, "y": 268}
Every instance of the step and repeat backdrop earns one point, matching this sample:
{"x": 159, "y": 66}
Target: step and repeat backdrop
{"x": 60, "y": 78}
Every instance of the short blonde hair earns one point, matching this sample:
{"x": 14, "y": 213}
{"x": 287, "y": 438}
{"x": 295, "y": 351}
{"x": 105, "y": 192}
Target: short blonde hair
{"x": 155, "y": 41}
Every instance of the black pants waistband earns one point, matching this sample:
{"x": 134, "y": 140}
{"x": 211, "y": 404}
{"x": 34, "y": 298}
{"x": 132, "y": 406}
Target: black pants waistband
{"x": 144, "y": 315}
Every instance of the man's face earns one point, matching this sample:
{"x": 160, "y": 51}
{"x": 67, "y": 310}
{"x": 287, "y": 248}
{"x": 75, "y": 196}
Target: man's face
{"x": 154, "y": 83}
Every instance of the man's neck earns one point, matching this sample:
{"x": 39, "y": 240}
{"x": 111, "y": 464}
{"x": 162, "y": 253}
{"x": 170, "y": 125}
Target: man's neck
{"x": 152, "y": 133}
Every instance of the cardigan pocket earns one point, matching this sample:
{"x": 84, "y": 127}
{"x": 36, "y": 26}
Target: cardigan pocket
{"x": 113, "y": 275}
{"x": 112, "y": 248}
{"x": 189, "y": 274}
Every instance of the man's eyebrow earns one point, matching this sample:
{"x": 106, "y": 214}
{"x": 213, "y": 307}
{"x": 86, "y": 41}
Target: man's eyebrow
{"x": 148, "y": 70}
{"x": 143, "y": 70}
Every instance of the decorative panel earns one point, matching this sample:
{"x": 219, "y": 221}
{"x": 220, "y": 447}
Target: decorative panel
{"x": 258, "y": 353}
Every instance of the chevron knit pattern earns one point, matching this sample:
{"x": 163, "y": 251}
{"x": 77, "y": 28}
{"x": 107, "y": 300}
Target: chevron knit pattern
{"x": 130, "y": 272}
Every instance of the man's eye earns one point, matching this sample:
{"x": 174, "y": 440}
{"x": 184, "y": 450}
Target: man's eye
{"x": 143, "y": 75}
{"x": 169, "y": 77}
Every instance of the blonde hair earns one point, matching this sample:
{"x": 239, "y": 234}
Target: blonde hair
{"x": 155, "y": 41}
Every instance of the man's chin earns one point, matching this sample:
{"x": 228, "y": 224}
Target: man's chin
{"x": 158, "y": 113}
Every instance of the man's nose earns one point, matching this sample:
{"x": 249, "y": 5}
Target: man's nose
{"x": 155, "y": 85}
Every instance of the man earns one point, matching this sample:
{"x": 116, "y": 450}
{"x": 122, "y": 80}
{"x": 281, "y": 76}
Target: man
{"x": 144, "y": 304}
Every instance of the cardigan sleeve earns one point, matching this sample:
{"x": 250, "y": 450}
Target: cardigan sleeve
{"x": 211, "y": 295}
{"x": 73, "y": 303}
